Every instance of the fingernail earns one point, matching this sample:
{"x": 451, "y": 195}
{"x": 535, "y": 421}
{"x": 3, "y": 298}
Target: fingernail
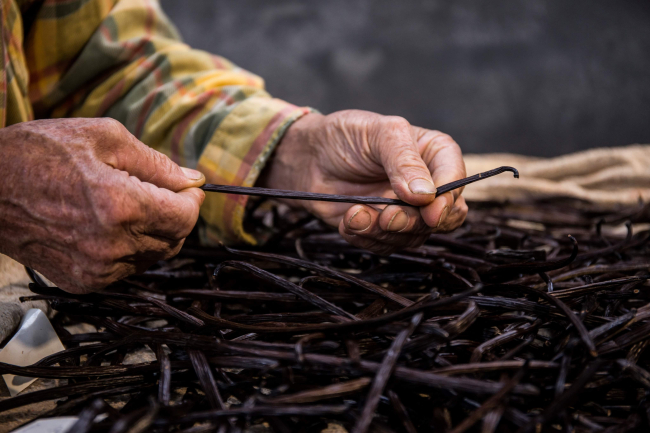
{"x": 360, "y": 221}
{"x": 422, "y": 186}
{"x": 192, "y": 174}
{"x": 398, "y": 222}
{"x": 443, "y": 215}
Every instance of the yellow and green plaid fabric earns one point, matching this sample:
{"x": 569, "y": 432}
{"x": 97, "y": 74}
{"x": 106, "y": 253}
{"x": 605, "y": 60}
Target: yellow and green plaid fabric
{"x": 124, "y": 59}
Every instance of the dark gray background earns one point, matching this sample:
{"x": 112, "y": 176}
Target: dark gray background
{"x": 534, "y": 77}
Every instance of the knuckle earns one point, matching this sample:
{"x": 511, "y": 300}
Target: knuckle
{"x": 161, "y": 159}
{"x": 163, "y": 165}
{"x": 114, "y": 214}
{"x": 95, "y": 276}
{"x": 174, "y": 250}
{"x": 103, "y": 257}
{"x": 160, "y": 253}
{"x": 411, "y": 161}
{"x": 441, "y": 138}
{"x": 396, "y": 122}
{"x": 99, "y": 258}
{"x": 109, "y": 137}
{"x": 445, "y": 138}
{"x": 165, "y": 251}
{"x": 112, "y": 125}
{"x": 116, "y": 133}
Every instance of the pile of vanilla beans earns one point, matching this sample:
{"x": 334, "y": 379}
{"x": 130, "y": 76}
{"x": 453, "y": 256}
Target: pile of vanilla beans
{"x": 531, "y": 317}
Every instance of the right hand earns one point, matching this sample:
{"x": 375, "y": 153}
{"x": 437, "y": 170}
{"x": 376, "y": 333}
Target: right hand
{"x": 354, "y": 152}
{"x": 85, "y": 203}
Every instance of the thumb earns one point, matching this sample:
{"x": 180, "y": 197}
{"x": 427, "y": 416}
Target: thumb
{"x": 397, "y": 150}
{"x": 125, "y": 152}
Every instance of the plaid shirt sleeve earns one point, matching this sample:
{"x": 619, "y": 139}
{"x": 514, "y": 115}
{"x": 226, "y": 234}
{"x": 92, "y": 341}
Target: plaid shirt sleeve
{"x": 124, "y": 59}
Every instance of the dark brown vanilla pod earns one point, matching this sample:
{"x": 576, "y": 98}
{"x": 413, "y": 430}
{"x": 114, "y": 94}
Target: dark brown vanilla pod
{"x": 383, "y": 375}
{"x": 493, "y": 402}
{"x": 310, "y": 331}
{"x": 301, "y": 195}
{"x": 501, "y": 272}
{"x": 325, "y": 393}
{"x": 26, "y": 398}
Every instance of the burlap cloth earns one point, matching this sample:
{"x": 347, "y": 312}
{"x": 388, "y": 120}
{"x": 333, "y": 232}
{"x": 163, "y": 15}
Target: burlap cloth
{"x": 607, "y": 176}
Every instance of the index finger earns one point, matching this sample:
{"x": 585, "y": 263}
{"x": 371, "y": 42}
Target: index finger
{"x": 168, "y": 214}
{"x": 123, "y": 151}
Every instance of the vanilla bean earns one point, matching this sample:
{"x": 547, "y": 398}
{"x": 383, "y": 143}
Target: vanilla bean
{"x": 385, "y": 371}
{"x": 325, "y": 393}
{"x": 492, "y": 402}
{"x": 303, "y": 195}
{"x": 307, "y": 331}
{"x": 66, "y": 390}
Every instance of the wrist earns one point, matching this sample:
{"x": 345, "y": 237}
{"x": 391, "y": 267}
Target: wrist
{"x": 292, "y": 164}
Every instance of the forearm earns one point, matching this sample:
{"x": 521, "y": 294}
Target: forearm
{"x": 197, "y": 108}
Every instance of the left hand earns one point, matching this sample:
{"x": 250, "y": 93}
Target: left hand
{"x": 362, "y": 153}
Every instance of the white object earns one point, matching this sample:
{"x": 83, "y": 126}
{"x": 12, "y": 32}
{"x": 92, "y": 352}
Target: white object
{"x": 49, "y": 425}
{"x": 34, "y": 340}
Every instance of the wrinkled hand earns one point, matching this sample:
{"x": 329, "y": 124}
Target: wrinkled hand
{"x": 362, "y": 153}
{"x": 85, "y": 203}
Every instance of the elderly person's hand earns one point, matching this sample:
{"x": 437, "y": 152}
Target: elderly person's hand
{"x": 85, "y": 203}
{"x": 362, "y": 153}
